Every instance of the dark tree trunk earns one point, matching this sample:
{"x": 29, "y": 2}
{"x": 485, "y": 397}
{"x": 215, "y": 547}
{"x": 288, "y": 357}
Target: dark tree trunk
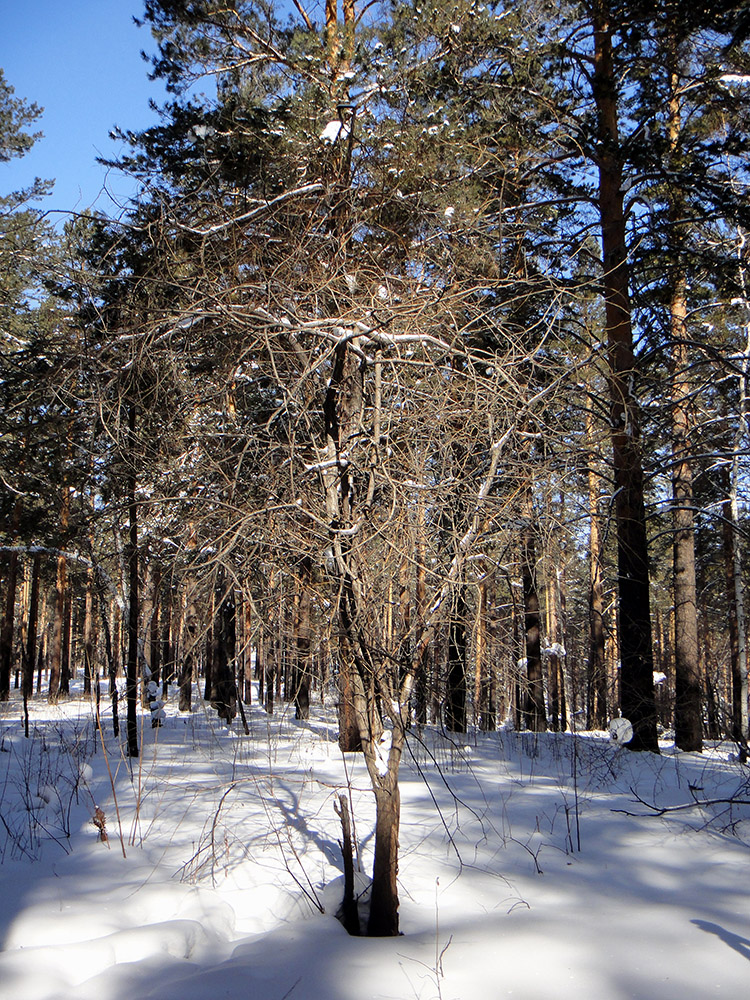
{"x": 168, "y": 641}
{"x": 208, "y": 664}
{"x": 29, "y": 658}
{"x": 349, "y": 911}
{"x": 536, "y": 715}
{"x": 636, "y": 653}
{"x": 727, "y": 538}
{"x": 223, "y": 686}
{"x": 269, "y": 672}
{"x": 302, "y": 640}
{"x": 455, "y": 694}
{"x": 383, "y": 918}
{"x": 422, "y": 679}
{"x": 65, "y": 659}
{"x": 111, "y": 662}
{"x": 154, "y": 639}
{"x": 247, "y": 658}
{"x": 260, "y": 665}
{"x": 6, "y": 632}
{"x": 484, "y": 692}
{"x": 58, "y": 632}
{"x": 185, "y": 682}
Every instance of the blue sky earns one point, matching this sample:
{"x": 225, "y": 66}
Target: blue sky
{"x": 80, "y": 60}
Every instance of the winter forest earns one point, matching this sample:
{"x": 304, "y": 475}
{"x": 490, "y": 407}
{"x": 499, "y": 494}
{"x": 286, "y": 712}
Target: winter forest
{"x": 392, "y": 444}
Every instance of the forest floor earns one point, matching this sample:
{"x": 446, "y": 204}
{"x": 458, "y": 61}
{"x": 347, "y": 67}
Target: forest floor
{"x": 531, "y": 866}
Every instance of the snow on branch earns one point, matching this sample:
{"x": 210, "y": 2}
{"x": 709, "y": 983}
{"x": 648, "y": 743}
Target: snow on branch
{"x": 314, "y": 188}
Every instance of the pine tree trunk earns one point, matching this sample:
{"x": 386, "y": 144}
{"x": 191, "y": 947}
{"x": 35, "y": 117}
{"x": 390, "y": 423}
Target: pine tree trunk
{"x": 222, "y": 685}
{"x": 6, "y": 632}
{"x": 185, "y": 683}
{"x": 421, "y": 682}
{"x": 455, "y": 694}
{"x": 248, "y": 657}
{"x": 303, "y": 633}
{"x": 131, "y": 678}
{"x": 29, "y": 657}
{"x": 535, "y": 711}
{"x": 597, "y": 709}
{"x": 88, "y": 634}
{"x": 270, "y": 671}
{"x": 65, "y": 660}
{"x": 58, "y": 633}
{"x": 636, "y": 653}
{"x": 688, "y": 719}
{"x": 482, "y": 665}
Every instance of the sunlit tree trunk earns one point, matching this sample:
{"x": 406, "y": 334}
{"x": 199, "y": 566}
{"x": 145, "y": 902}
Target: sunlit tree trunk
{"x": 688, "y": 722}
{"x": 597, "y": 665}
{"x": 535, "y": 711}
{"x": 131, "y": 678}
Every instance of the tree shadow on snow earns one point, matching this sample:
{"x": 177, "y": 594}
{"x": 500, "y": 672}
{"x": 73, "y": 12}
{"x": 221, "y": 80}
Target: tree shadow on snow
{"x": 739, "y": 944}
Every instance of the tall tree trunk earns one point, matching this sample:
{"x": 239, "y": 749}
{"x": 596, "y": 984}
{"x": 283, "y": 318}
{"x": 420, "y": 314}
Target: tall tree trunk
{"x": 597, "y": 708}
{"x": 636, "y": 653}
{"x": 131, "y": 678}
{"x": 728, "y": 534}
{"x": 535, "y": 711}
{"x": 455, "y": 693}
{"x": 223, "y": 687}
{"x": 11, "y": 582}
{"x": 185, "y": 683}
{"x": 739, "y": 443}
{"x": 65, "y": 660}
{"x": 29, "y": 658}
{"x": 58, "y": 632}
{"x": 88, "y": 635}
{"x": 247, "y": 664}
{"x": 482, "y": 664}
{"x": 303, "y": 632}
{"x": 6, "y": 631}
{"x": 154, "y": 630}
{"x": 421, "y": 683}
{"x": 688, "y": 719}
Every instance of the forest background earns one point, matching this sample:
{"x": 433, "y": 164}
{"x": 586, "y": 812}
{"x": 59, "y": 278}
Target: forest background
{"x": 414, "y": 373}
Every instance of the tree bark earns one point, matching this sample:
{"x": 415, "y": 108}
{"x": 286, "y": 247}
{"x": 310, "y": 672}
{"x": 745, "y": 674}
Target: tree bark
{"x": 58, "y": 632}
{"x": 303, "y": 632}
{"x": 597, "y": 701}
{"x": 636, "y": 653}
{"x": 455, "y": 694}
{"x": 688, "y": 717}
{"x": 535, "y": 712}
{"x": 383, "y": 918}
{"x": 29, "y": 659}
{"x": 131, "y": 679}
{"x": 6, "y": 632}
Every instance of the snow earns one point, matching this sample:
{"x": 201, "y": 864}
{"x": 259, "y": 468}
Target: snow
{"x": 211, "y": 883}
{"x": 333, "y": 131}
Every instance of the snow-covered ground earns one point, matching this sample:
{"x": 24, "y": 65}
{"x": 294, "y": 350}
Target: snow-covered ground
{"x": 531, "y": 866}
